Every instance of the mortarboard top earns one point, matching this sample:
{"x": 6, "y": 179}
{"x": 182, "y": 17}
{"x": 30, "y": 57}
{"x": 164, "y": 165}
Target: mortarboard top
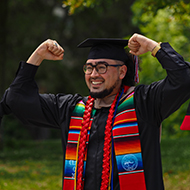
{"x": 90, "y": 42}
{"x": 106, "y": 48}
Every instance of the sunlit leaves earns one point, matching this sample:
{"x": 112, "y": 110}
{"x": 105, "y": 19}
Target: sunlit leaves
{"x": 79, "y": 4}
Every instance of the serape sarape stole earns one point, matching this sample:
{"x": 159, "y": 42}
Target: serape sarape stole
{"x": 126, "y": 145}
{"x": 71, "y": 156}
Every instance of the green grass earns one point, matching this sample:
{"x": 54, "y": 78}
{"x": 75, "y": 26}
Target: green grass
{"x": 35, "y": 166}
{"x": 38, "y": 165}
{"x": 176, "y": 163}
{"x": 175, "y": 155}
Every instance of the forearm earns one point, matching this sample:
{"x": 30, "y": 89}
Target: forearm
{"x": 49, "y": 50}
{"x": 35, "y": 59}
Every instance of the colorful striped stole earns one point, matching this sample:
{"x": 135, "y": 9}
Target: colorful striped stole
{"x": 126, "y": 145}
{"x": 71, "y": 156}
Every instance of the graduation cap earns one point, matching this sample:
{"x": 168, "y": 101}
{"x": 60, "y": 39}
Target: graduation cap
{"x": 186, "y": 122}
{"x": 106, "y": 48}
{"x": 112, "y": 48}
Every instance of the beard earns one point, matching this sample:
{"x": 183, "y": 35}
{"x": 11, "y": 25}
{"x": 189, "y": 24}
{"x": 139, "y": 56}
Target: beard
{"x": 104, "y": 92}
{"x": 101, "y": 94}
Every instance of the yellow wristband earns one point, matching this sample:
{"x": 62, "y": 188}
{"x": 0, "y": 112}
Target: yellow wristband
{"x": 156, "y": 48}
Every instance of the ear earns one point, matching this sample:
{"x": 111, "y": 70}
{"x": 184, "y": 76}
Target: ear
{"x": 122, "y": 71}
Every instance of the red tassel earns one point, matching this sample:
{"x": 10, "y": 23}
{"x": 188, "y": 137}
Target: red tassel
{"x": 136, "y": 61}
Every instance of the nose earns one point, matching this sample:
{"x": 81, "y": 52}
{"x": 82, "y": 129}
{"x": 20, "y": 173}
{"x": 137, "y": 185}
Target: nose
{"x": 94, "y": 72}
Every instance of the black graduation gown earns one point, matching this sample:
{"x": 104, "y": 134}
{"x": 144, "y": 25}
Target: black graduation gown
{"x": 153, "y": 103}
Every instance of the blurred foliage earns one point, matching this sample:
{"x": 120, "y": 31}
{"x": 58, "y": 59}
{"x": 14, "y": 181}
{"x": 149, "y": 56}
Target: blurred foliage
{"x": 13, "y": 130}
{"x": 79, "y": 5}
{"x": 152, "y": 6}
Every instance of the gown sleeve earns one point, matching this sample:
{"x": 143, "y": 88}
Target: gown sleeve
{"x": 24, "y": 101}
{"x": 160, "y": 99}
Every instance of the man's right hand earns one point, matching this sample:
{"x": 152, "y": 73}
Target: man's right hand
{"x": 49, "y": 50}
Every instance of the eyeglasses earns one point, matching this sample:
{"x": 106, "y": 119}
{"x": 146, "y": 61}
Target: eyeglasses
{"x": 101, "y": 67}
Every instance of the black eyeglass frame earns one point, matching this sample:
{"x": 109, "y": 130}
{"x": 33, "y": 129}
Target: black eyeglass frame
{"x": 95, "y": 66}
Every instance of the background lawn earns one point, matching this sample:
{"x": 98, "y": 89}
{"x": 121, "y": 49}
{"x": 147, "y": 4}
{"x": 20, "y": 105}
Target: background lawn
{"x": 38, "y": 165}
{"x": 176, "y": 163}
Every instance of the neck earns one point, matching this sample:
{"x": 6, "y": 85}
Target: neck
{"x": 107, "y": 101}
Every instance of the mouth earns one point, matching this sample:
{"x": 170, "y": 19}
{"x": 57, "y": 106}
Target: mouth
{"x": 96, "y": 83}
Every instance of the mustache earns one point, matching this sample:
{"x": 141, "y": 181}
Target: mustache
{"x": 96, "y": 78}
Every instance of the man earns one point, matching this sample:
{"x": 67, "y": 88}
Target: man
{"x": 110, "y": 139}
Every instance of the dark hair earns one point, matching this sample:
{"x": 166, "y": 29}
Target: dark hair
{"x": 130, "y": 75}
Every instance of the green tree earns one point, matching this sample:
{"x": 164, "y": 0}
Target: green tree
{"x": 3, "y": 44}
{"x": 79, "y": 5}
